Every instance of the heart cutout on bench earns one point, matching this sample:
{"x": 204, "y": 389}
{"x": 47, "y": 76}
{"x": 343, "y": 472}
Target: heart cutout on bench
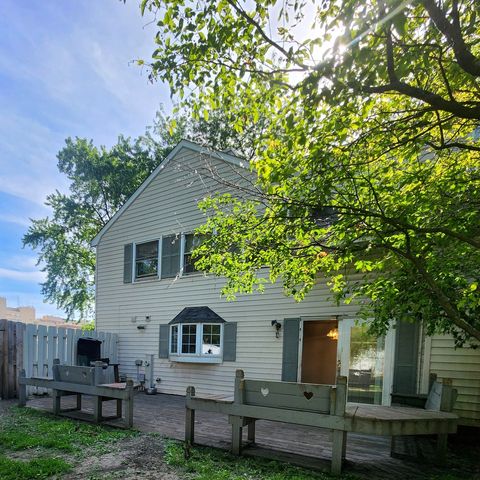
{"x": 308, "y": 395}
{"x": 264, "y": 391}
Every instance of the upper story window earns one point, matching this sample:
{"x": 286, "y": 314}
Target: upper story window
{"x": 170, "y": 256}
{"x": 192, "y": 241}
{"x": 146, "y": 259}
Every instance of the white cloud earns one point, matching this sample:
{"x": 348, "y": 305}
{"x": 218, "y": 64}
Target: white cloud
{"x": 17, "y": 219}
{"x": 30, "y": 276}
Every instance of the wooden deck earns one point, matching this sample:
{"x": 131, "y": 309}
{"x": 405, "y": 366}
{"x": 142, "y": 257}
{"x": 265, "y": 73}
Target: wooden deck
{"x": 367, "y": 456}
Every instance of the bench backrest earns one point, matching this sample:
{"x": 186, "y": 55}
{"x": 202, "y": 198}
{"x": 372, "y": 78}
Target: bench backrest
{"x": 441, "y": 396}
{"x": 78, "y": 374}
{"x": 326, "y": 399}
{"x": 74, "y": 374}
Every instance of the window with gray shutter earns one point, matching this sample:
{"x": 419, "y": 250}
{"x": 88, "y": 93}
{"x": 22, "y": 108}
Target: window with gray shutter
{"x": 291, "y": 332}
{"x": 170, "y": 256}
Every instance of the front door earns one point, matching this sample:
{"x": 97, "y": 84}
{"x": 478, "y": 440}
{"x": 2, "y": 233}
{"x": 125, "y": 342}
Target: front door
{"x": 319, "y": 351}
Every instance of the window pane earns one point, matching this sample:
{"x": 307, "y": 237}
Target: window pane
{"x": 365, "y": 375}
{"x": 174, "y": 339}
{"x": 189, "y": 339}
{"x": 191, "y": 242}
{"x": 170, "y": 256}
{"x": 211, "y": 339}
{"x": 146, "y": 259}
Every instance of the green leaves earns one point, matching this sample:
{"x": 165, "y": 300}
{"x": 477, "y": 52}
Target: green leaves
{"x": 367, "y": 165}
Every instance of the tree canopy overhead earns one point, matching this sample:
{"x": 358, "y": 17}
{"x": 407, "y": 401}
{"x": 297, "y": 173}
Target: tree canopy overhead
{"x": 369, "y": 162}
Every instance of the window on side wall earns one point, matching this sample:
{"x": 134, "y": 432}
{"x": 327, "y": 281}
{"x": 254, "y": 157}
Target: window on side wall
{"x": 192, "y": 241}
{"x": 170, "y": 256}
{"x": 146, "y": 260}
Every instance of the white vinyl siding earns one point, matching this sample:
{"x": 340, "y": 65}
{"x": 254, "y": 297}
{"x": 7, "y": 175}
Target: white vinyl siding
{"x": 462, "y": 365}
{"x": 168, "y": 206}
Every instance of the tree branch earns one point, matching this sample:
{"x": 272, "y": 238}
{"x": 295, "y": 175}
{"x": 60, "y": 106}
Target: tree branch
{"x": 465, "y": 58}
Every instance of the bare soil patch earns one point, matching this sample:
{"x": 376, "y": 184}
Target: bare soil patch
{"x": 140, "y": 457}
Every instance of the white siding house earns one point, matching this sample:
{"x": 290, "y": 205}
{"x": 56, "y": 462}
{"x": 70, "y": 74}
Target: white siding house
{"x": 143, "y": 283}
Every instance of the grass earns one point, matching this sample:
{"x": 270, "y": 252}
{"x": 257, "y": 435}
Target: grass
{"x": 52, "y": 445}
{"x": 26, "y": 428}
{"x": 212, "y": 464}
{"x": 38, "y": 468}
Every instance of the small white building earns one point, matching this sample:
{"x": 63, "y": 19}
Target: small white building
{"x": 148, "y": 292}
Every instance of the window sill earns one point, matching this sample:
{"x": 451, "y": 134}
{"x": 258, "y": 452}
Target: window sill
{"x": 146, "y": 279}
{"x": 194, "y": 359}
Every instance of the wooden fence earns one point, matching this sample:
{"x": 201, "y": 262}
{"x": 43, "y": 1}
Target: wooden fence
{"x": 34, "y": 347}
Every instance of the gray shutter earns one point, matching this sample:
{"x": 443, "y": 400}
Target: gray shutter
{"x": 230, "y": 341}
{"x": 163, "y": 341}
{"x": 406, "y": 357}
{"x": 127, "y": 263}
{"x": 291, "y": 331}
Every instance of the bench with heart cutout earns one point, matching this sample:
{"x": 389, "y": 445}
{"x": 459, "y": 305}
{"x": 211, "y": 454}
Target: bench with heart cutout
{"x": 296, "y": 403}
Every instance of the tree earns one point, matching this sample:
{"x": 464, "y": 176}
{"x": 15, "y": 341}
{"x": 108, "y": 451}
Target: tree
{"x": 101, "y": 180}
{"x": 369, "y": 161}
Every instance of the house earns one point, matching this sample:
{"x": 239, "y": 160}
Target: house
{"x": 148, "y": 292}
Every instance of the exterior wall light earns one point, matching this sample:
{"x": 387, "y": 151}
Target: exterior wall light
{"x": 278, "y": 326}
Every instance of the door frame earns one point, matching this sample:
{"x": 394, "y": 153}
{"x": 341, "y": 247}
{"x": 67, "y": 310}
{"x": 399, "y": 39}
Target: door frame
{"x": 344, "y": 330}
{"x": 338, "y": 318}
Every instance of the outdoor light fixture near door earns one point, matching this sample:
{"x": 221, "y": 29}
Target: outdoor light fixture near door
{"x": 278, "y": 326}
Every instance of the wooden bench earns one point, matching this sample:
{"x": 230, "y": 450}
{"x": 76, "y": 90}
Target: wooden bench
{"x": 296, "y": 403}
{"x": 77, "y": 380}
{"x": 441, "y": 398}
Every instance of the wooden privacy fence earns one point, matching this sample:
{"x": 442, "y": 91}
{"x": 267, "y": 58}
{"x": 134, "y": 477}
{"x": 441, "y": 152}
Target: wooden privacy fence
{"x": 34, "y": 347}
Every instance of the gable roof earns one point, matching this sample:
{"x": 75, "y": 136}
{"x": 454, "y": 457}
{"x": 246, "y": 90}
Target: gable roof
{"x": 184, "y": 144}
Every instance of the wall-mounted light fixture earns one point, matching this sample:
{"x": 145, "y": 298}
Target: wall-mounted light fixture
{"x": 278, "y": 326}
{"x": 141, "y": 327}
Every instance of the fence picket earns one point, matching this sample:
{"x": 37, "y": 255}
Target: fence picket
{"x": 34, "y": 347}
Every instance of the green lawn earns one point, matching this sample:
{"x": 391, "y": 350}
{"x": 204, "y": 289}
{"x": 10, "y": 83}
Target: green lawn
{"x": 214, "y": 464}
{"x": 50, "y": 446}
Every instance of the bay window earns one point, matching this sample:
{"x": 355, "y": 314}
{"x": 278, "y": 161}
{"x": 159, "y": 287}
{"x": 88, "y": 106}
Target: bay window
{"x": 196, "y": 342}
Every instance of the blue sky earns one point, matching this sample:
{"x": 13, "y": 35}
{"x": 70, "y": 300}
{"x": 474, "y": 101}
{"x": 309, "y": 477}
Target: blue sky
{"x": 65, "y": 70}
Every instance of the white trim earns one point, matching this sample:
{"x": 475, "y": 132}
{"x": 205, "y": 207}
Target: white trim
{"x": 425, "y": 372}
{"x": 300, "y": 350}
{"x": 195, "y": 147}
{"x": 197, "y": 357}
{"x": 388, "y": 366}
{"x": 182, "y": 253}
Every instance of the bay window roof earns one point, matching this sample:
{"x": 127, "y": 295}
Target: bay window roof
{"x": 197, "y": 315}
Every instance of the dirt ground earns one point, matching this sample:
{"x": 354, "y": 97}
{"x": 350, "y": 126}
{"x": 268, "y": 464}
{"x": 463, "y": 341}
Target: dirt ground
{"x": 140, "y": 457}
{"x": 133, "y": 458}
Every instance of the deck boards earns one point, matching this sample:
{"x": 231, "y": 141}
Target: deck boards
{"x": 366, "y": 455}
